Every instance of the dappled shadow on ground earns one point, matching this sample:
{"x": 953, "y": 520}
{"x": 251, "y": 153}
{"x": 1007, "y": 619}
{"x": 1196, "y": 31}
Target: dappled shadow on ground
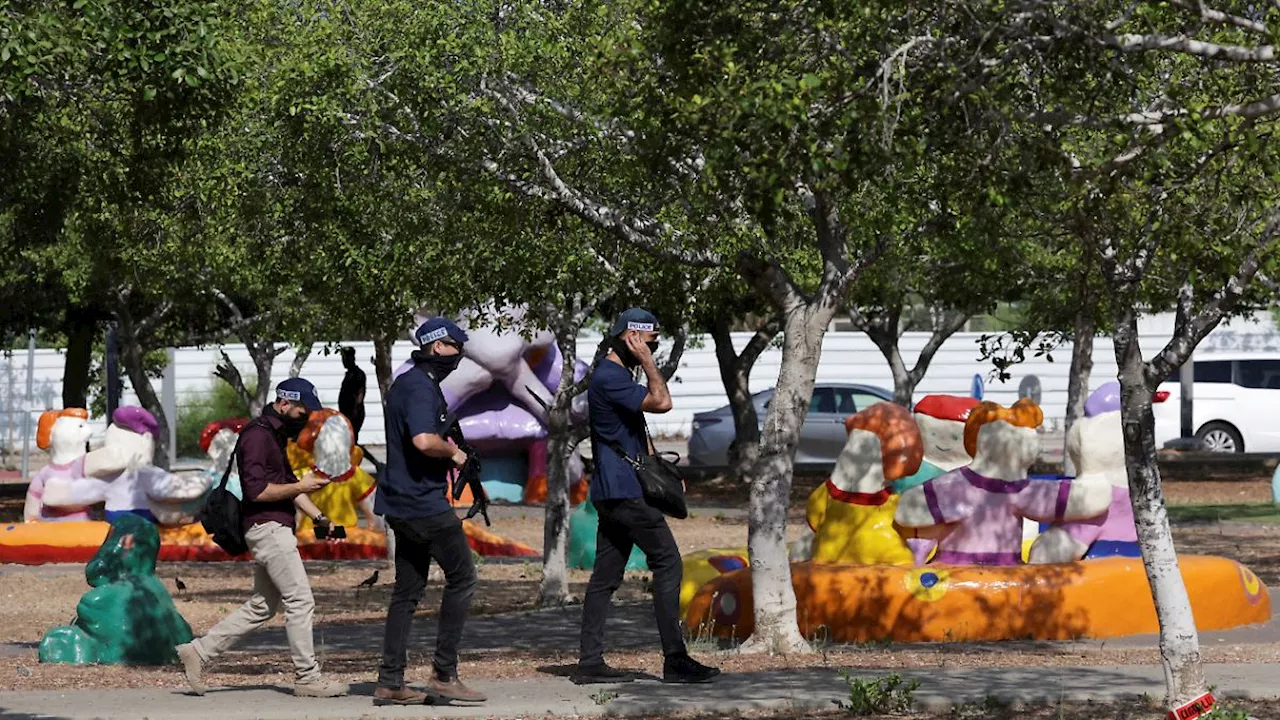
{"x": 546, "y": 633}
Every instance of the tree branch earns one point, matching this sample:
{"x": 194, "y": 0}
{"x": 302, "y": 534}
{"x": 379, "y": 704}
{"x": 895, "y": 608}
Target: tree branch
{"x": 760, "y": 340}
{"x": 1225, "y": 300}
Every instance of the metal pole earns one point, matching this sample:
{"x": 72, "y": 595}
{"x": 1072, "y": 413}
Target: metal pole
{"x": 26, "y": 417}
{"x": 112, "y": 363}
{"x": 168, "y": 392}
{"x": 1186, "y": 377}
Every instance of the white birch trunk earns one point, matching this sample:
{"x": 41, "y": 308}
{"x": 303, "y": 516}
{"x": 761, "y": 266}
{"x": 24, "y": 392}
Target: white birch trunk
{"x": 773, "y": 596}
{"x": 1179, "y": 640}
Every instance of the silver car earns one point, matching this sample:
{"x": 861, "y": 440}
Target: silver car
{"x": 821, "y": 438}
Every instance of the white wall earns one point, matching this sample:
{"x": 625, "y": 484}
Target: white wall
{"x": 846, "y": 357}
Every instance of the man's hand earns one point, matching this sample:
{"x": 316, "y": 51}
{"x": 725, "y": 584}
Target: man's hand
{"x": 459, "y": 458}
{"x": 640, "y": 350}
{"x": 311, "y": 482}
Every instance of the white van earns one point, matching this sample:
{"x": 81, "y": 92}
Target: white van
{"x": 1235, "y": 404}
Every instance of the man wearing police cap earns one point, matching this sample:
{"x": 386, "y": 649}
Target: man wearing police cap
{"x": 412, "y": 496}
{"x": 617, "y": 405}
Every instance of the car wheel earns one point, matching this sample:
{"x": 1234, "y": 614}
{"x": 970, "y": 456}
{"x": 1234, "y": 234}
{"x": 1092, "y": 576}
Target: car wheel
{"x": 1220, "y": 437}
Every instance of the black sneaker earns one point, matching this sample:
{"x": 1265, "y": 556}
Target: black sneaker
{"x": 684, "y": 669}
{"x": 600, "y": 673}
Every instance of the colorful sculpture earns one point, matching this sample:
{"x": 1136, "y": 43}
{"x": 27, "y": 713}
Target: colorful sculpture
{"x": 852, "y": 514}
{"x": 498, "y": 393}
{"x": 941, "y": 420}
{"x": 873, "y": 603}
{"x": 583, "y": 525}
{"x": 120, "y": 474}
{"x": 327, "y": 448}
{"x": 218, "y": 440}
{"x": 127, "y": 617}
{"x": 65, "y": 434}
{"x": 1095, "y": 445}
{"x": 987, "y": 500}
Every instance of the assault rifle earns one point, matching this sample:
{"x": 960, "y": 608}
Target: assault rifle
{"x": 469, "y": 473}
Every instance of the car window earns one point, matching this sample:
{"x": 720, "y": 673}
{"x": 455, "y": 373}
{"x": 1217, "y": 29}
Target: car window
{"x": 1258, "y": 374}
{"x": 1213, "y": 371}
{"x": 862, "y": 401}
{"x": 845, "y": 402}
{"x": 823, "y": 401}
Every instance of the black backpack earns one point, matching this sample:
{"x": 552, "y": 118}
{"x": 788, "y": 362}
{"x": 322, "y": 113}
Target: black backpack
{"x": 222, "y": 516}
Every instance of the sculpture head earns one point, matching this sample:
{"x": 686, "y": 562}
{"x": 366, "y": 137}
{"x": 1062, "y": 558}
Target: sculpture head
{"x": 63, "y": 433}
{"x": 1008, "y": 435}
{"x": 1096, "y": 448}
{"x": 941, "y": 419}
{"x": 132, "y": 434}
{"x": 1103, "y": 400}
{"x": 130, "y": 549}
{"x": 330, "y": 439}
{"x": 218, "y": 440}
{"x": 883, "y": 445}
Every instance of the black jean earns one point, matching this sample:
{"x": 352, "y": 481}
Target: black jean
{"x": 418, "y": 541}
{"x": 624, "y": 524}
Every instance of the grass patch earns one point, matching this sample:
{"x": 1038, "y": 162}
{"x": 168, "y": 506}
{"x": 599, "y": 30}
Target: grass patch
{"x": 1253, "y": 512}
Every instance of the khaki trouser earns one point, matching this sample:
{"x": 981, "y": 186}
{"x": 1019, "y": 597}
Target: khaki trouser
{"x": 278, "y": 577}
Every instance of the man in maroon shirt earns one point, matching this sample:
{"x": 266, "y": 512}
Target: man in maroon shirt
{"x": 271, "y": 493}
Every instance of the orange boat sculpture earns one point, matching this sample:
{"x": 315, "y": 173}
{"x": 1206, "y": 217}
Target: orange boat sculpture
{"x": 1100, "y": 598}
{"x": 76, "y": 542}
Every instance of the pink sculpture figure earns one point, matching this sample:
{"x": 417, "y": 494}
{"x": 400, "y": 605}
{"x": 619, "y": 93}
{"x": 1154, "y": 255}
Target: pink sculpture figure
{"x": 1096, "y": 448}
{"x": 941, "y": 420}
{"x": 986, "y": 501}
{"x": 120, "y": 474}
{"x": 64, "y": 434}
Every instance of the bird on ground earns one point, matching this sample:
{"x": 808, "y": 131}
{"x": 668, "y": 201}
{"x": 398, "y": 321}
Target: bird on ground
{"x": 182, "y": 587}
{"x": 369, "y": 581}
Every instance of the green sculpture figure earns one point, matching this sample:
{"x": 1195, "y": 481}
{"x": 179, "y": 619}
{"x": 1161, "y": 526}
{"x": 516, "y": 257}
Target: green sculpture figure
{"x": 583, "y": 524}
{"x": 128, "y": 617}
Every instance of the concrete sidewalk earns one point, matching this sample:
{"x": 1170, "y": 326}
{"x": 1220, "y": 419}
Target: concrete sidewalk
{"x": 804, "y": 689}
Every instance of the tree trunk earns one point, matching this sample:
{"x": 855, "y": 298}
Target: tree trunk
{"x": 554, "y": 589}
{"x": 300, "y": 357}
{"x": 773, "y": 596}
{"x": 735, "y": 374}
{"x": 382, "y": 363}
{"x": 884, "y": 332}
{"x": 81, "y": 330}
{"x": 1179, "y": 640}
{"x": 1078, "y": 380}
{"x": 131, "y": 353}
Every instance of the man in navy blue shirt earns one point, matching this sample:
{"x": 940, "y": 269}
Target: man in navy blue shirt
{"x": 617, "y": 406}
{"x": 412, "y": 496}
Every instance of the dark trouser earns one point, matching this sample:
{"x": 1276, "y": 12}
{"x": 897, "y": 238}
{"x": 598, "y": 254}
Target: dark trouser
{"x": 624, "y": 523}
{"x": 418, "y": 541}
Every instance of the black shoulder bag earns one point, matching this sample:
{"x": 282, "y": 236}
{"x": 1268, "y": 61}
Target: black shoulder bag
{"x": 222, "y": 516}
{"x": 660, "y": 479}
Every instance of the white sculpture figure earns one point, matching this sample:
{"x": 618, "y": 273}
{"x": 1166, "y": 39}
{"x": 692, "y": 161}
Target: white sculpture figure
{"x": 1096, "y": 448}
{"x": 64, "y": 434}
{"x": 121, "y": 475}
{"x": 496, "y": 355}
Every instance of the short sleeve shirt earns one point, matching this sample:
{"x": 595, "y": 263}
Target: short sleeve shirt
{"x": 413, "y": 485}
{"x": 613, "y": 400}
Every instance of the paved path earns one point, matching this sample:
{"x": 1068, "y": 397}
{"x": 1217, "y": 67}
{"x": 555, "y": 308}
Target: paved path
{"x": 631, "y": 626}
{"x": 939, "y": 689}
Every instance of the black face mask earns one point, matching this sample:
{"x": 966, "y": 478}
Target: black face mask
{"x": 627, "y": 357}
{"x": 291, "y": 427}
{"x": 440, "y": 366}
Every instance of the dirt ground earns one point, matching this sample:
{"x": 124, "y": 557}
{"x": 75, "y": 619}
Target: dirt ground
{"x": 33, "y": 599}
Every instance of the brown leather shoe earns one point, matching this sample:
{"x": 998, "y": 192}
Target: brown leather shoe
{"x": 454, "y": 690}
{"x": 401, "y": 696}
